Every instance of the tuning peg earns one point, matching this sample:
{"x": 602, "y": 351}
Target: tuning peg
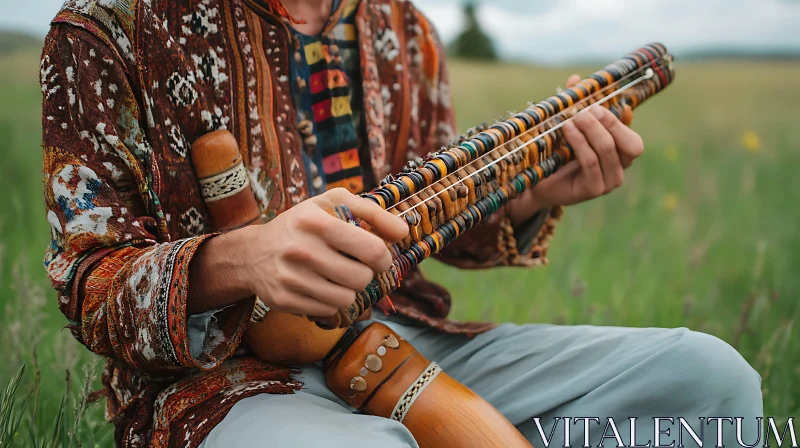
{"x": 387, "y": 180}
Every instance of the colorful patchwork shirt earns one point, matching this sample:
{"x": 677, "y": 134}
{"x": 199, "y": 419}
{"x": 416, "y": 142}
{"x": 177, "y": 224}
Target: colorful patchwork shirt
{"x": 127, "y": 86}
{"x": 326, "y": 87}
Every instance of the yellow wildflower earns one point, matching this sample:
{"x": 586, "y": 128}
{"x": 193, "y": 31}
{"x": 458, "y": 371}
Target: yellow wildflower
{"x": 671, "y": 153}
{"x": 670, "y": 202}
{"x": 751, "y": 141}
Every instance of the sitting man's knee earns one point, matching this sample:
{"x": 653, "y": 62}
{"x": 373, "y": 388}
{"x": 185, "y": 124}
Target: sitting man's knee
{"x": 712, "y": 371}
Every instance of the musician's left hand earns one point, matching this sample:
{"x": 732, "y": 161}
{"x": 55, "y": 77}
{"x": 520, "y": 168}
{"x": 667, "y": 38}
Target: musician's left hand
{"x": 603, "y": 148}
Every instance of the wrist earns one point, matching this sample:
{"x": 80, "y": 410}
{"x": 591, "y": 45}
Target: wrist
{"x": 219, "y": 274}
{"x": 240, "y": 255}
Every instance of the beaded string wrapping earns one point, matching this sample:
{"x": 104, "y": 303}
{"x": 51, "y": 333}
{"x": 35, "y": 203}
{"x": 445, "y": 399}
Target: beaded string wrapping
{"x": 452, "y": 190}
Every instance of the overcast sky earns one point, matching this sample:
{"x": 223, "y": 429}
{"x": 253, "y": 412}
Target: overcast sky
{"x": 558, "y": 31}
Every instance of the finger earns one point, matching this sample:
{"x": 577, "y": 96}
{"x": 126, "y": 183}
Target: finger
{"x": 385, "y": 224}
{"x": 356, "y": 242}
{"x": 310, "y": 284}
{"x": 572, "y": 80}
{"x": 553, "y": 187}
{"x": 338, "y": 269}
{"x": 603, "y": 145}
{"x": 587, "y": 159}
{"x": 628, "y": 142}
{"x": 567, "y": 171}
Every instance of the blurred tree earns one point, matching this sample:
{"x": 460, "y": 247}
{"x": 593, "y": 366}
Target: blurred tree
{"x": 473, "y": 43}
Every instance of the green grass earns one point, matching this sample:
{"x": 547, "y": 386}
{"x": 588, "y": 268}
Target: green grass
{"x": 703, "y": 234}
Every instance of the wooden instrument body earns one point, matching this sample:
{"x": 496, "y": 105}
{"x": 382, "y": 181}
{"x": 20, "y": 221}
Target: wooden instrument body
{"x": 284, "y": 338}
{"x": 383, "y": 375}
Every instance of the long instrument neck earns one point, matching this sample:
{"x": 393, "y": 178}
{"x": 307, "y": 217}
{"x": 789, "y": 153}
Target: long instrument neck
{"x": 453, "y": 190}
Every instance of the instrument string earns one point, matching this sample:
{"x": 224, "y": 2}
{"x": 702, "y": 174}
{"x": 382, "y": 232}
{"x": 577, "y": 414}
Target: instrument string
{"x": 539, "y": 127}
{"x": 450, "y": 219}
{"x": 648, "y": 74}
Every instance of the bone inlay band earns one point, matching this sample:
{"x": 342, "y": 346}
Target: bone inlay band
{"x": 414, "y": 391}
{"x": 226, "y": 184}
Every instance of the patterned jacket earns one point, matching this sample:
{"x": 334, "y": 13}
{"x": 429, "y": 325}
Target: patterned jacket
{"x": 127, "y": 86}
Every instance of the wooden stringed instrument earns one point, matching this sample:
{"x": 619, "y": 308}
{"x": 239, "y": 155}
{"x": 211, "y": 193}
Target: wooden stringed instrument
{"x": 441, "y": 196}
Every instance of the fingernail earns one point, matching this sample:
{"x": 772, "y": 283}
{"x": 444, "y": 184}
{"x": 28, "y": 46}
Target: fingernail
{"x": 597, "y": 111}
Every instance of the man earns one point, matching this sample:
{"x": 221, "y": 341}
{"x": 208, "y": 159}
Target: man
{"x": 324, "y": 97}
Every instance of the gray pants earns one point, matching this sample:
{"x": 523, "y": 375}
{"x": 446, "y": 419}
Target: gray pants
{"x": 543, "y": 371}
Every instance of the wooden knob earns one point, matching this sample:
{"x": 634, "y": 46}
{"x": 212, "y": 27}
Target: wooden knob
{"x": 224, "y": 181}
{"x": 215, "y": 153}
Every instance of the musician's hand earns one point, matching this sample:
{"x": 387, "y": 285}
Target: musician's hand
{"x": 298, "y": 259}
{"x": 603, "y": 148}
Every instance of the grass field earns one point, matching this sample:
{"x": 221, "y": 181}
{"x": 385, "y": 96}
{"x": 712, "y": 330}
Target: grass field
{"x": 705, "y": 233}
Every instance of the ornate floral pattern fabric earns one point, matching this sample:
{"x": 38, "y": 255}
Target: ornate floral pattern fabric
{"x": 127, "y": 86}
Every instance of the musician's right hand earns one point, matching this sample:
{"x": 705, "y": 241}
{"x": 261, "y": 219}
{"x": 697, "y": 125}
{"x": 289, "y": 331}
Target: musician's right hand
{"x": 307, "y": 261}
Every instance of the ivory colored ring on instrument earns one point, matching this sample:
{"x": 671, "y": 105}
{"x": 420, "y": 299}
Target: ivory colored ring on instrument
{"x": 226, "y": 184}
{"x": 373, "y": 363}
{"x": 358, "y": 384}
{"x": 391, "y": 341}
{"x": 496, "y": 135}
